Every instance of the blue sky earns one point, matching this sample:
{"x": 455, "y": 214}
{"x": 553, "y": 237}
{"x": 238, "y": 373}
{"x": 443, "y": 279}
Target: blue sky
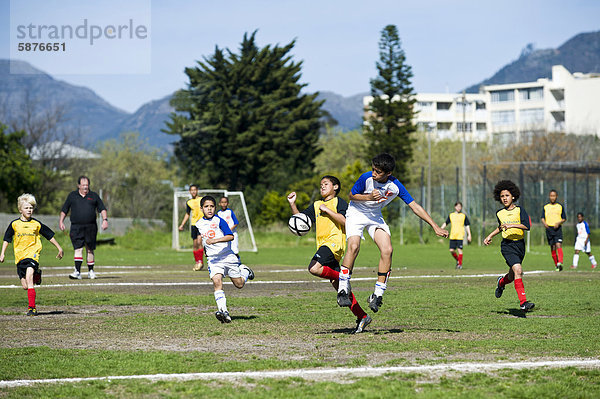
{"x": 449, "y": 44}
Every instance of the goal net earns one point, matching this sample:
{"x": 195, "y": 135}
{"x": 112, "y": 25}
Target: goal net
{"x": 182, "y": 240}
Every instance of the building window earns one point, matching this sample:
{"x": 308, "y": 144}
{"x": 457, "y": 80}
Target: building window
{"x": 532, "y": 94}
{"x": 503, "y": 117}
{"x": 481, "y": 126}
{"x": 425, "y": 105}
{"x": 480, "y": 105}
{"x": 503, "y": 96}
{"x": 468, "y": 107}
{"x": 531, "y": 116}
{"x": 468, "y": 126}
{"x": 443, "y": 106}
{"x": 444, "y": 126}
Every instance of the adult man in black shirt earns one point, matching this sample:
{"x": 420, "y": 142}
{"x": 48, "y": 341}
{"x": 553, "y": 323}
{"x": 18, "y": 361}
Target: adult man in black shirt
{"x": 83, "y": 204}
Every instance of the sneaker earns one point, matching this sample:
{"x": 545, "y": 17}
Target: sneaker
{"x": 37, "y": 277}
{"x": 458, "y": 267}
{"x": 32, "y": 311}
{"x": 250, "y": 272}
{"x": 375, "y": 302}
{"x": 75, "y": 275}
{"x": 559, "y": 267}
{"x": 226, "y": 317}
{"x": 219, "y": 316}
{"x": 573, "y": 267}
{"x": 198, "y": 266}
{"x": 594, "y": 266}
{"x": 499, "y": 290}
{"x": 343, "y": 299}
{"x": 527, "y": 306}
{"x": 91, "y": 274}
{"x": 361, "y": 324}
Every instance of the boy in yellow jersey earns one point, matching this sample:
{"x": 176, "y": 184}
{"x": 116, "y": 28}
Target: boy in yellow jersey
{"x": 26, "y": 231}
{"x": 512, "y": 222}
{"x": 553, "y": 216}
{"x": 329, "y": 217}
{"x": 193, "y": 208}
{"x": 459, "y": 222}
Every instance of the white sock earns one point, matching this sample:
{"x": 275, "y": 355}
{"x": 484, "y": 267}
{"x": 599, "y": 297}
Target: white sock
{"x": 575, "y": 259}
{"x": 244, "y": 272}
{"x": 221, "y": 300}
{"x": 380, "y": 288}
{"x": 593, "y": 260}
{"x": 344, "y": 279}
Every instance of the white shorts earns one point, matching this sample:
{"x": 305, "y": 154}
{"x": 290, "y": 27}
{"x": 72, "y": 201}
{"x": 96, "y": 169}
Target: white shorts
{"x": 357, "y": 221}
{"x": 227, "y": 266}
{"x": 579, "y": 246}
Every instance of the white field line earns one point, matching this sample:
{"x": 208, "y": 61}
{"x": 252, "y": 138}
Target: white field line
{"x": 192, "y": 283}
{"x": 330, "y": 374}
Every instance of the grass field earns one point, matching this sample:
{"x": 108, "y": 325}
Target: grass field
{"x": 148, "y": 314}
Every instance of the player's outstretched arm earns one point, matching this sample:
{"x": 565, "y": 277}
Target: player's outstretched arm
{"x": 292, "y": 200}
{"x": 57, "y": 245}
{"x": 422, "y": 213}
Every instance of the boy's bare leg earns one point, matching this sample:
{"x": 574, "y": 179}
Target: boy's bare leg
{"x": 384, "y": 243}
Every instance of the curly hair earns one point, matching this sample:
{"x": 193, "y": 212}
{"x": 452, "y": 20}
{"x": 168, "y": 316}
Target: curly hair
{"x": 506, "y": 185}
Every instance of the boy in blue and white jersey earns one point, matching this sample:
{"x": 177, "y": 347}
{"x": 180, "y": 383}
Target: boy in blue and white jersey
{"x": 222, "y": 261}
{"x": 229, "y": 216}
{"x": 371, "y": 192}
{"x": 582, "y": 242}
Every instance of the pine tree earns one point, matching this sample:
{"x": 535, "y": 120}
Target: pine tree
{"x": 389, "y": 122}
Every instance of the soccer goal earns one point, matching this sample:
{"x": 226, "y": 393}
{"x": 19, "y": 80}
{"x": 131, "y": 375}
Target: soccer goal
{"x": 182, "y": 241}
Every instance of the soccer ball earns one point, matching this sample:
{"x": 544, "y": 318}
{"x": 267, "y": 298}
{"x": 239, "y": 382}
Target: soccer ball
{"x": 299, "y": 224}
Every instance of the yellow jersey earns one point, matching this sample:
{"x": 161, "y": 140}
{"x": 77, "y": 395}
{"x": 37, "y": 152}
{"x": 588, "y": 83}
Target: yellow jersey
{"x": 194, "y": 209}
{"x": 329, "y": 233}
{"x": 517, "y": 215}
{"x": 25, "y": 236}
{"x": 458, "y": 222}
{"x": 553, "y": 213}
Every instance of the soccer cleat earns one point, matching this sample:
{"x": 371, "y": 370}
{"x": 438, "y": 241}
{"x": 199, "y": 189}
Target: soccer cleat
{"x": 226, "y": 317}
{"x": 75, "y": 275}
{"x": 219, "y": 316}
{"x": 458, "y": 267}
{"x": 343, "y": 299}
{"x": 361, "y": 324}
{"x": 559, "y": 267}
{"x": 527, "y": 306}
{"x": 499, "y": 290}
{"x": 37, "y": 277}
{"x": 250, "y": 272}
{"x": 91, "y": 274}
{"x": 594, "y": 266}
{"x": 32, "y": 311}
{"x": 375, "y": 302}
{"x": 198, "y": 266}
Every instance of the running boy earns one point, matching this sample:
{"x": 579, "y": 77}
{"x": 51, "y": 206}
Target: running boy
{"x": 192, "y": 207}
{"x": 582, "y": 242}
{"x": 459, "y": 222}
{"x": 216, "y": 237}
{"x": 328, "y": 215}
{"x": 371, "y": 192}
{"x": 553, "y": 216}
{"x": 27, "y": 245}
{"x": 229, "y": 216}
{"x": 512, "y": 222}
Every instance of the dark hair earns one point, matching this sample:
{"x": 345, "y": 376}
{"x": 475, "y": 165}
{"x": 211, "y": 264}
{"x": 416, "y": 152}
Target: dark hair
{"x": 580, "y": 213}
{"x": 193, "y": 185}
{"x": 83, "y": 177}
{"x": 385, "y": 162}
{"x": 553, "y": 191}
{"x": 208, "y": 198}
{"x": 506, "y": 185}
{"x": 223, "y": 197}
{"x": 458, "y": 203}
{"x": 335, "y": 181}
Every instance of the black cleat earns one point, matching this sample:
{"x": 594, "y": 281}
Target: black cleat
{"x": 343, "y": 299}
{"x": 250, "y": 272}
{"x": 361, "y": 324}
{"x": 375, "y": 302}
{"x": 499, "y": 290}
{"x": 527, "y": 306}
{"x": 32, "y": 311}
{"x": 559, "y": 267}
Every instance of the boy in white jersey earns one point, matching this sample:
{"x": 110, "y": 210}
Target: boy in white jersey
{"x": 371, "y": 192}
{"x": 216, "y": 237}
{"x": 582, "y": 242}
{"x": 229, "y": 216}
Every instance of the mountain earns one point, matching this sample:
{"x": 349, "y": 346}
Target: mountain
{"x": 348, "y": 111}
{"x": 581, "y": 53}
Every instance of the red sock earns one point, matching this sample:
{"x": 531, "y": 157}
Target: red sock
{"x": 329, "y": 273}
{"x": 460, "y": 259}
{"x": 520, "y": 291}
{"x": 454, "y": 255}
{"x": 356, "y": 309}
{"x": 31, "y": 297}
{"x": 554, "y": 257}
{"x": 559, "y": 252}
{"x": 198, "y": 255}
{"x": 505, "y": 280}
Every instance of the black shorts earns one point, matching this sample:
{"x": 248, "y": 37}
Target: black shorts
{"x": 84, "y": 234}
{"x": 24, "y": 264}
{"x": 195, "y": 233}
{"x": 454, "y": 244}
{"x": 554, "y": 236}
{"x": 325, "y": 257}
{"x": 513, "y": 251}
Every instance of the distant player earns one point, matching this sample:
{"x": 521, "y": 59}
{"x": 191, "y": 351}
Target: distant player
{"x": 24, "y": 233}
{"x": 553, "y": 216}
{"x": 371, "y": 192}
{"x": 512, "y": 222}
{"x": 459, "y": 222}
{"x": 216, "y": 237}
{"x": 328, "y": 215}
{"x": 232, "y": 221}
{"x": 192, "y": 208}
{"x": 582, "y": 242}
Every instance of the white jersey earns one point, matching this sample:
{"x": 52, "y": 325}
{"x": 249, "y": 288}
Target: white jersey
{"x": 583, "y": 230}
{"x": 229, "y": 216}
{"x": 216, "y": 227}
{"x": 389, "y": 190}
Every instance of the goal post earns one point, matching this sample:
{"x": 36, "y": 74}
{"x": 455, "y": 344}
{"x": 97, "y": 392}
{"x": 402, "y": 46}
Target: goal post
{"x": 182, "y": 240}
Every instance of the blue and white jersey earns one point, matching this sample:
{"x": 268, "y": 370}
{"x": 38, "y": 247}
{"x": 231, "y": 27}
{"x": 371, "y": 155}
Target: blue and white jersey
{"x": 215, "y": 227}
{"x": 389, "y": 190}
{"x": 583, "y": 230}
{"x": 229, "y": 216}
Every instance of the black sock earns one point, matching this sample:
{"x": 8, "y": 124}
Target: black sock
{"x": 78, "y": 264}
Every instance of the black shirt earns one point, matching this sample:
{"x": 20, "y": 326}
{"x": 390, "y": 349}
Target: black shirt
{"x": 83, "y": 209}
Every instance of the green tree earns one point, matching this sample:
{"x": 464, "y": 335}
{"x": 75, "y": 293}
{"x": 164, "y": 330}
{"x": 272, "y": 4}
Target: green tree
{"x": 339, "y": 149}
{"x": 243, "y": 121}
{"x": 389, "y": 122}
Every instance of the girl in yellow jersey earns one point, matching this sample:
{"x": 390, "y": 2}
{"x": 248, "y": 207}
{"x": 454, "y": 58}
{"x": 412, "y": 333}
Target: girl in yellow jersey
{"x": 512, "y": 222}
{"x": 193, "y": 211}
{"x": 329, "y": 217}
